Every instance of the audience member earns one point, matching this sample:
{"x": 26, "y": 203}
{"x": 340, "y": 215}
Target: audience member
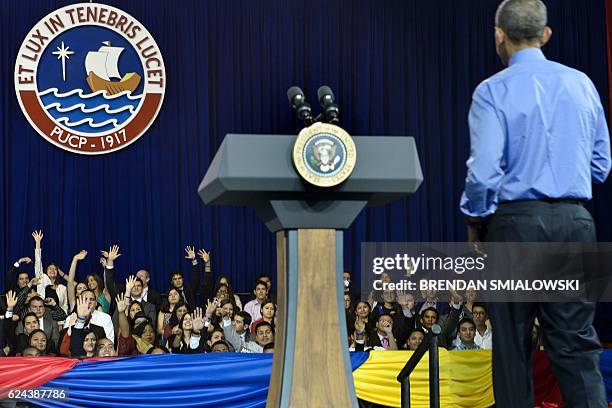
{"x": 254, "y": 306}
{"x": 466, "y": 330}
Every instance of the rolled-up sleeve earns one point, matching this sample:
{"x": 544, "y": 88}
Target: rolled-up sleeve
{"x": 600, "y": 162}
{"x": 484, "y": 171}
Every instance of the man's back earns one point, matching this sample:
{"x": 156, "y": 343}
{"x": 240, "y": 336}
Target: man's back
{"x": 545, "y": 134}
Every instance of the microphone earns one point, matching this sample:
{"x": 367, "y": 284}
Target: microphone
{"x": 327, "y": 101}
{"x": 302, "y": 109}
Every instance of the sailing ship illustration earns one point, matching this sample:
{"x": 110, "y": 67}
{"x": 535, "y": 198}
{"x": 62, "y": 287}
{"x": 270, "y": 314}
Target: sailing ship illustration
{"x": 101, "y": 66}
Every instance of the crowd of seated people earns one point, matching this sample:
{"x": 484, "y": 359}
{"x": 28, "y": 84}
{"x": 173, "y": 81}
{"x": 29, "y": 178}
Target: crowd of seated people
{"x": 395, "y": 320}
{"x": 55, "y": 314}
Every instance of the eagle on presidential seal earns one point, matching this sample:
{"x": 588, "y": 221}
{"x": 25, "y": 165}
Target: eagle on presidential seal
{"x": 324, "y": 155}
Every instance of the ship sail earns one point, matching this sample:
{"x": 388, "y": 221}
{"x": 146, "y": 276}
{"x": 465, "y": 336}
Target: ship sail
{"x": 102, "y": 65}
{"x": 104, "y": 62}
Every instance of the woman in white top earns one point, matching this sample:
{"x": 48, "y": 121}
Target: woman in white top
{"x": 50, "y": 277}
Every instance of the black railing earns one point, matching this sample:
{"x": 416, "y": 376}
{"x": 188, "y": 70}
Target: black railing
{"x": 430, "y": 343}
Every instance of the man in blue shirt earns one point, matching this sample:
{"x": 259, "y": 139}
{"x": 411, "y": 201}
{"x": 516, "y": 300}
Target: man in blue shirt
{"x": 538, "y": 138}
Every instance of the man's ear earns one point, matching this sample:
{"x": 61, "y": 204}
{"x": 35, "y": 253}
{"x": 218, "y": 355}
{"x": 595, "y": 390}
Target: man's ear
{"x": 546, "y": 34}
{"x": 500, "y": 35}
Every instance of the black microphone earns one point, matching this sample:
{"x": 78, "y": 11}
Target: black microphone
{"x": 302, "y": 109}
{"x": 327, "y": 101}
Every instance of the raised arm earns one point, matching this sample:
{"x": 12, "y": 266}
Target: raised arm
{"x": 38, "y": 268}
{"x": 76, "y": 337}
{"x": 11, "y": 276}
{"x": 109, "y": 272}
{"x": 70, "y": 282}
{"x": 207, "y": 287}
{"x": 38, "y": 236}
{"x": 194, "y": 283}
{"x": 124, "y": 325}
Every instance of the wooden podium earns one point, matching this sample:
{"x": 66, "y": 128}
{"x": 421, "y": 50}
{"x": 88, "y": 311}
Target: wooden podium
{"x": 311, "y": 361}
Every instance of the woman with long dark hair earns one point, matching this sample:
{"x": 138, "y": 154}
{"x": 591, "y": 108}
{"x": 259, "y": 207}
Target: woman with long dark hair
{"x": 188, "y": 339}
{"x": 268, "y": 311}
{"x": 49, "y": 280}
{"x": 38, "y": 340}
{"x": 167, "y": 307}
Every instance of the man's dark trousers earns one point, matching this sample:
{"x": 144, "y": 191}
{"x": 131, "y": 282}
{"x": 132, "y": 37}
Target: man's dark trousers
{"x": 568, "y": 334}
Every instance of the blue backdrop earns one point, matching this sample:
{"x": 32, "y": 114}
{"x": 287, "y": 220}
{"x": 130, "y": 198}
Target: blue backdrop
{"x": 397, "y": 68}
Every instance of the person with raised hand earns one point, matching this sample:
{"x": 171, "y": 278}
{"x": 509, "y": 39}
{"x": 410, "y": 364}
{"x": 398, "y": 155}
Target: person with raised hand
{"x": 17, "y": 278}
{"x": 71, "y": 284}
{"x": 49, "y": 280}
{"x": 177, "y": 280}
{"x": 79, "y": 332}
{"x": 186, "y": 339}
{"x": 98, "y": 320}
{"x": 148, "y": 293}
{"x": 208, "y": 290}
{"x": 173, "y": 323}
{"x": 136, "y": 336}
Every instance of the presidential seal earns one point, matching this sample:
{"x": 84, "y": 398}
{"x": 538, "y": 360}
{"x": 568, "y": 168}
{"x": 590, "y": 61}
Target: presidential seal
{"x": 324, "y": 154}
{"x": 90, "y": 78}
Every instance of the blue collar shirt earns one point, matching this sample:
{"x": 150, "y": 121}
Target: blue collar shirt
{"x": 537, "y": 131}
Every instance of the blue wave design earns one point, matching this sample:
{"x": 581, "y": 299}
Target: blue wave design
{"x": 89, "y": 113}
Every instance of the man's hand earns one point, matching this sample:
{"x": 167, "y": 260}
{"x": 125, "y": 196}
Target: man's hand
{"x": 190, "y": 253}
{"x": 129, "y": 284}
{"x": 405, "y": 300}
{"x": 359, "y": 325}
{"x": 211, "y": 307}
{"x": 38, "y": 236}
{"x": 198, "y": 322}
{"x": 83, "y": 310}
{"x": 33, "y": 282}
{"x": 80, "y": 255}
{"x": 25, "y": 259}
{"x": 103, "y": 262}
{"x": 473, "y": 234}
{"x": 204, "y": 255}
{"x": 11, "y": 300}
{"x": 50, "y": 302}
{"x": 387, "y": 328}
{"x": 121, "y": 305}
{"x": 112, "y": 254}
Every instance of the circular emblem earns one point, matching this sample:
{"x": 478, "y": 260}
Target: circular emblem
{"x": 90, "y": 78}
{"x": 324, "y": 154}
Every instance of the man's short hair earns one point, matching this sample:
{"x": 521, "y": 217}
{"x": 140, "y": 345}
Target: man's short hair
{"x": 90, "y": 291}
{"x": 31, "y": 352}
{"x": 383, "y": 314}
{"x": 30, "y": 314}
{"x": 246, "y": 317}
{"x": 466, "y": 320}
{"x": 220, "y": 342}
{"x": 433, "y": 309}
{"x": 521, "y": 20}
{"x": 35, "y": 298}
{"x": 480, "y": 305}
{"x": 416, "y": 329}
{"x": 260, "y": 282}
{"x": 162, "y": 348}
{"x": 177, "y": 272}
{"x": 263, "y": 323}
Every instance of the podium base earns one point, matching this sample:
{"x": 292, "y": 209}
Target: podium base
{"x": 311, "y": 366}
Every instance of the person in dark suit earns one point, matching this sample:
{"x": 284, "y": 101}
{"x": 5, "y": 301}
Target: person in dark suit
{"x": 177, "y": 280}
{"x": 148, "y": 293}
{"x": 539, "y": 138}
